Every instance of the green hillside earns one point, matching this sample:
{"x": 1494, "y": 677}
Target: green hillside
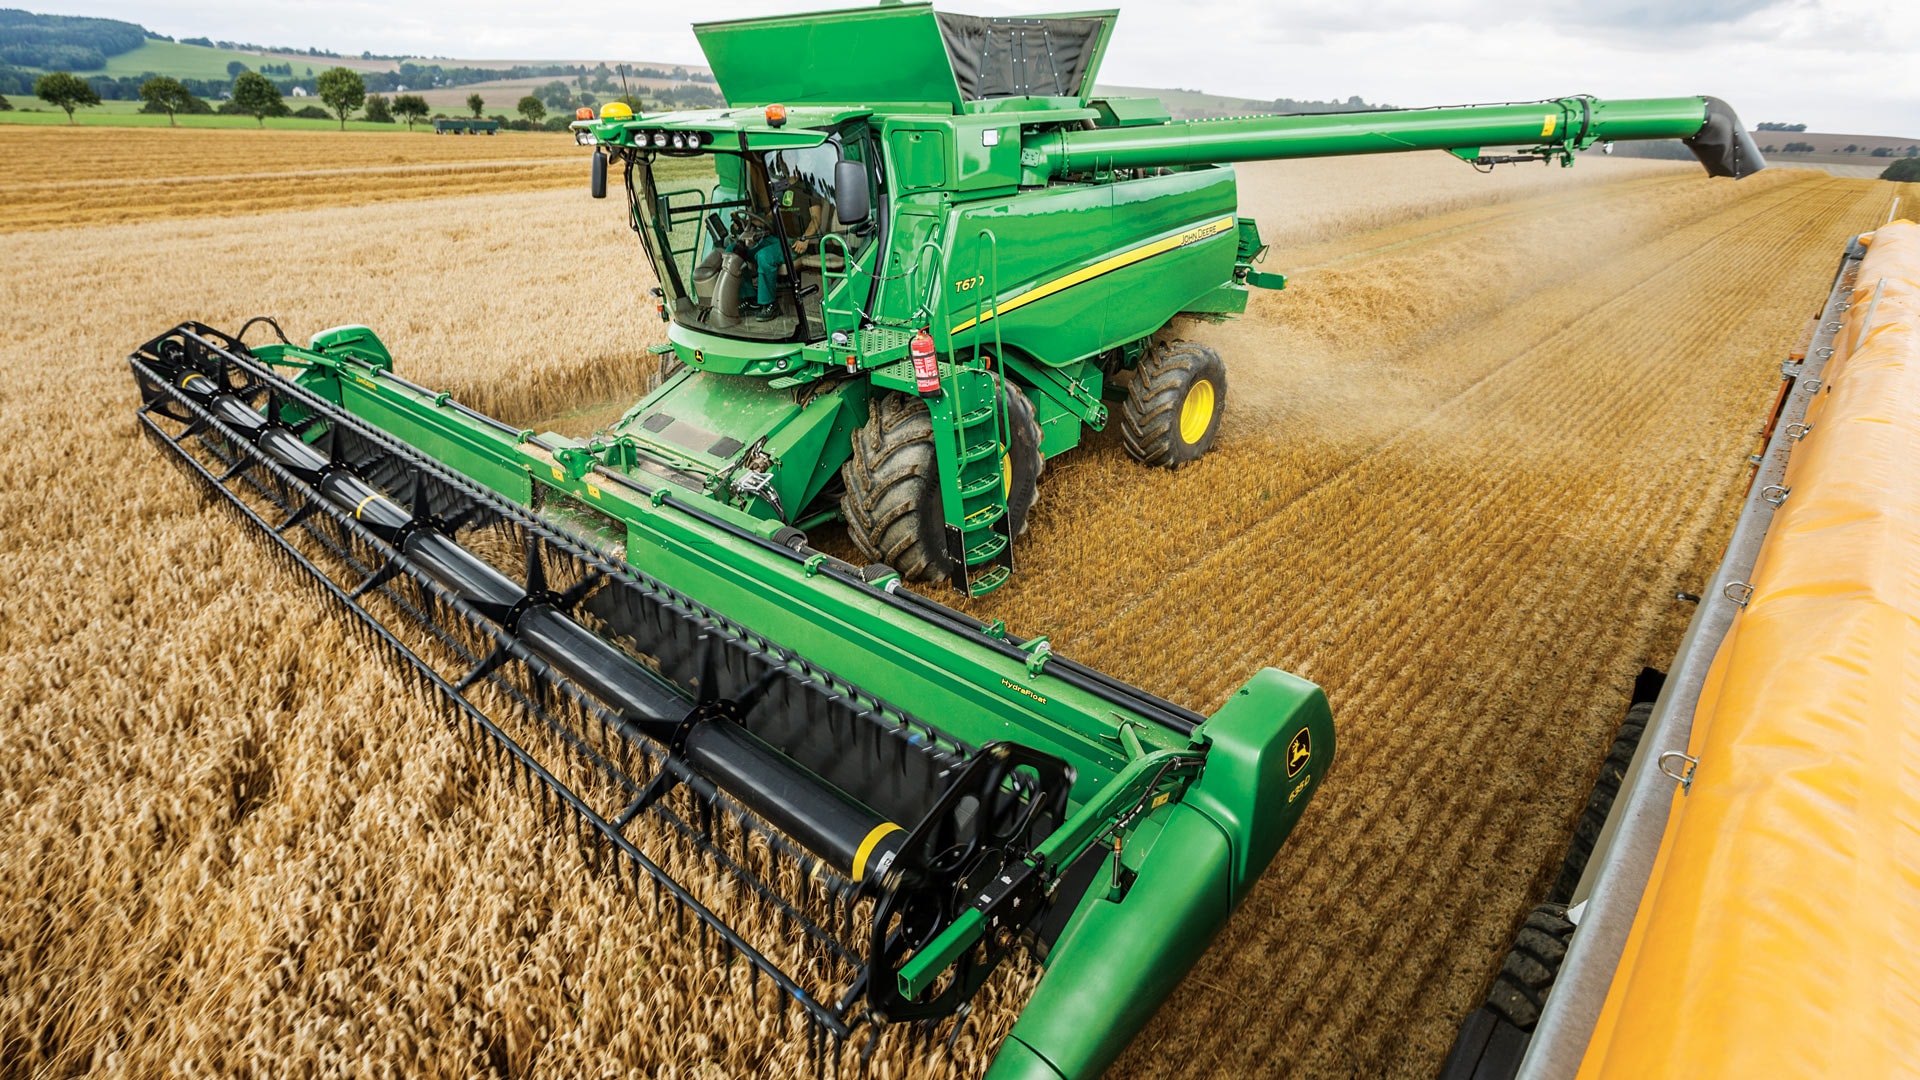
{"x": 175, "y": 59}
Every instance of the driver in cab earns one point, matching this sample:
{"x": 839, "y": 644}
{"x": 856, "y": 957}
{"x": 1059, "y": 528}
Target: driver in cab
{"x": 803, "y": 217}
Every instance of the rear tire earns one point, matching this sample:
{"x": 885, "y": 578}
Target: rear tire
{"x": 1174, "y": 404}
{"x": 892, "y": 504}
{"x": 1531, "y": 966}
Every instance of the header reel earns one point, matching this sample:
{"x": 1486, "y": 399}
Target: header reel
{"x": 692, "y": 731}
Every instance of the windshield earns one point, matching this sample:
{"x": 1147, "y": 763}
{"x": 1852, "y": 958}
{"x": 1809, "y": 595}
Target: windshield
{"x": 757, "y": 254}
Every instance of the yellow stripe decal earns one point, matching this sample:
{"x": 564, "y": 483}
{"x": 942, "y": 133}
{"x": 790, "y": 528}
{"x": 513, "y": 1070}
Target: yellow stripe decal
{"x": 363, "y": 505}
{"x": 866, "y": 847}
{"x": 1546, "y": 129}
{"x": 1104, "y": 266}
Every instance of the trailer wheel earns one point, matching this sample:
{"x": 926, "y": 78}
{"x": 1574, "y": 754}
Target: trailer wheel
{"x": 1531, "y": 966}
{"x": 670, "y": 365}
{"x": 1613, "y": 772}
{"x": 1174, "y": 403}
{"x": 892, "y": 503}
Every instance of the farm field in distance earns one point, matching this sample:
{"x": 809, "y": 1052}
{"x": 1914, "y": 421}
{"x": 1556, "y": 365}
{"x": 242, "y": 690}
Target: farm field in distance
{"x": 1471, "y": 453}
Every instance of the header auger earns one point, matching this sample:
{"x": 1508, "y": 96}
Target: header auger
{"x": 905, "y": 287}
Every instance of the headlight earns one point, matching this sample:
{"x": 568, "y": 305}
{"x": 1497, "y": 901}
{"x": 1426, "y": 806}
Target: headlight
{"x": 660, "y": 139}
{"x": 585, "y": 138}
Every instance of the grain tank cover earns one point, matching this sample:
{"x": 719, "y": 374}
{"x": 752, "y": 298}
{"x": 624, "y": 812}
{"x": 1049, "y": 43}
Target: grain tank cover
{"x": 904, "y": 53}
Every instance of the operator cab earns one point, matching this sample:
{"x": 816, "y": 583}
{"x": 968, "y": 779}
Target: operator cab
{"x": 755, "y": 255}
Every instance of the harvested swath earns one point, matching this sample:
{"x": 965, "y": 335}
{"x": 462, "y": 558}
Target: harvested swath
{"x": 52, "y": 176}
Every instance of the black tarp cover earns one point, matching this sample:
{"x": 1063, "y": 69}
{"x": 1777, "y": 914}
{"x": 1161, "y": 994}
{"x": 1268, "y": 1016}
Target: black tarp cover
{"x": 1014, "y": 57}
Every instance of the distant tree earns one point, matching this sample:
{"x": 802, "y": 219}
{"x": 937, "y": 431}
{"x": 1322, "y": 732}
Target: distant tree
{"x": 556, "y": 96}
{"x": 205, "y": 43}
{"x": 311, "y": 112}
{"x": 5, "y": 105}
{"x": 586, "y": 98}
{"x": 1906, "y": 170}
{"x": 476, "y": 103}
{"x": 410, "y": 107}
{"x": 1769, "y": 149}
{"x": 1797, "y": 148}
{"x": 377, "y": 109}
{"x": 65, "y": 90}
{"x": 531, "y": 108}
{"x": 1852, "y": 148}
{"x": 1883, "y": 151}
{"x": 1913, "y": 151}
{"x": 167, "y": 95}
{"x": 1774, "y": 126}
{"x": 343, "y": 90}
{"x": 255, "y": 95}
{"x": 234, "y": 68}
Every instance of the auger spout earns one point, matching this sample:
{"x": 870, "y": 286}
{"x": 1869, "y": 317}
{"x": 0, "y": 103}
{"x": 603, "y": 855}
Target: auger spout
{"x": 1553, "y": 128}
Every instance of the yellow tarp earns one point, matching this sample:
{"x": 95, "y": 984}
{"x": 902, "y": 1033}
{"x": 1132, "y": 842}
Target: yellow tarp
{"x": 1780, "y": 932}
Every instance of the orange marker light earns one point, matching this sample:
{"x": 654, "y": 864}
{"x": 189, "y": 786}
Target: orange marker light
{"x": 584, "y": 112}
{"x": 776, "y": 115}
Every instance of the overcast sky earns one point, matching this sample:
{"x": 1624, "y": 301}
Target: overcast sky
{"x": 1835, "y": 65}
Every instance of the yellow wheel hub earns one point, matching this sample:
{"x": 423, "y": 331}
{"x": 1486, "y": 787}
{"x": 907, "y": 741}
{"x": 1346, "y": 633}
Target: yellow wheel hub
{"x": 1006, "y": 476}
{"x": 1196, "y": 414}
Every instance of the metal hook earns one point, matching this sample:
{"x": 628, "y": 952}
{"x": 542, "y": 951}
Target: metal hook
{"x": 1684, "y": 777}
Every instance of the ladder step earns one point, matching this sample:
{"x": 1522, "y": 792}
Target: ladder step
{"x": 980, "y": 450}
{"x": 986, "y": 549}
{"x": 989, "y": 581}
{"x": 985, "y": 412}
{"x": 987, "y": 483}
{"x": 985, "y": 516}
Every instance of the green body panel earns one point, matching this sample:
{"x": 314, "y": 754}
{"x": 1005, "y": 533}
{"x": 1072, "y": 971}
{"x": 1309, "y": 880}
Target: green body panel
{"x": 1117, "y": 962}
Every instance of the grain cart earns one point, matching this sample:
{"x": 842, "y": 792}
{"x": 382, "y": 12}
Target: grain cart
{"x": 863, "y": 798}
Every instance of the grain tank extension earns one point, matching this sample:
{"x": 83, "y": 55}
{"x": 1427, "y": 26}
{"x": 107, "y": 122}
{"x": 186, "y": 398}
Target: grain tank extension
{"x": 972, "y": 193}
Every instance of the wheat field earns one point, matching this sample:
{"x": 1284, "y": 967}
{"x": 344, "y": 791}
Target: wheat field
{"x": 1471, "y": 454}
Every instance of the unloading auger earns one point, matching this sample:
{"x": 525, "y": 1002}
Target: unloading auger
{"x": 704, "y": 704}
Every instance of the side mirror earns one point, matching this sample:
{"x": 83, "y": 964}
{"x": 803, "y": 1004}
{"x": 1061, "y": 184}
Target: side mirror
{"x": 850, "y": 195}
{"x": 599, "y": 175}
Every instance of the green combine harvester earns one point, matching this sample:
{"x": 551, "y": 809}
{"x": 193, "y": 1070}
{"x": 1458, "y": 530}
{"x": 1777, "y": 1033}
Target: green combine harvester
{"x": 909, "y": 284}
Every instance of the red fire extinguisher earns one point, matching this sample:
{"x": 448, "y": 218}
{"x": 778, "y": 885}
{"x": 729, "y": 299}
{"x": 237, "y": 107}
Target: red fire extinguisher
{"x": 926, "y": 370}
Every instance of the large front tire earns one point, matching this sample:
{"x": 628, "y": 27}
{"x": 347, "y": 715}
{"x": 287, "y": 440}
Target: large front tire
{"x": 1174, "y": 404}
{"x": 892, "y": 504}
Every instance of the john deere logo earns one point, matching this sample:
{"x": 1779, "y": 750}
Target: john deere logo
{"x": 1298, "y": 752}
{"x": 699, "y": 357}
